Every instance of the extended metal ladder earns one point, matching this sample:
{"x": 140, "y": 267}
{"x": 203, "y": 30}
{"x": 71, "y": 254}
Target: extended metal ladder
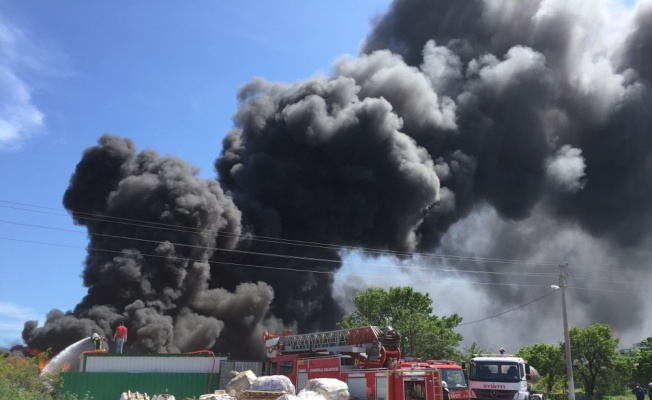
{"x": 343, "y": 338}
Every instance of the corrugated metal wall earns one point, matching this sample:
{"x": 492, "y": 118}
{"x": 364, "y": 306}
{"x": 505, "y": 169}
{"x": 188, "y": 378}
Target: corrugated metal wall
{"x": 180, "y": 363}
{"x": 227, "y": 366}
{"x": 110, "y": 385}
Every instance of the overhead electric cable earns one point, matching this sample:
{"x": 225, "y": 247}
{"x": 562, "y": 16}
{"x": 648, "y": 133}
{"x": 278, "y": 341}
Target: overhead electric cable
{"x": 508, "y": 311}
{"x": 175, "y": 228}
{"x": 334, "y": 261}
{"x": 393, "y": 276}
{"x": 127, "y": 251}
{"x": 145, "y": 224}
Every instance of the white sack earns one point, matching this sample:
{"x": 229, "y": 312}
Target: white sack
{"x": 305, "y": 394}
{"x": 288, "y": 396}
{"x": 273, "y": 383}
{"x": 209, "y": 396}
{"x": 241, "y": 381}
{"x": 330, "y": 388}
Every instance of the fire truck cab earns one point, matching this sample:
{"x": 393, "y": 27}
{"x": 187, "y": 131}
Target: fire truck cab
{"x": 501, "y": 377}
{"x": 452, "y": 374}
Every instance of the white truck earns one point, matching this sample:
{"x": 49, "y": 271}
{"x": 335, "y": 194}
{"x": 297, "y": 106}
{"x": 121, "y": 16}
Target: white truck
{"x": 501, "y": 377}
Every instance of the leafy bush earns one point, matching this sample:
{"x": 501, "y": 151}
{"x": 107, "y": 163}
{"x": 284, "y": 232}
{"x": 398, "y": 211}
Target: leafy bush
{"x": 20, "y": 378}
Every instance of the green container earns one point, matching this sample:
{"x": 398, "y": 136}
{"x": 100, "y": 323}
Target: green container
{"x": 111, "y": 385}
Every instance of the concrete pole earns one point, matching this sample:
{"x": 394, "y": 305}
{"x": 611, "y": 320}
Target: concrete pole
{"x": 569, "y": 360}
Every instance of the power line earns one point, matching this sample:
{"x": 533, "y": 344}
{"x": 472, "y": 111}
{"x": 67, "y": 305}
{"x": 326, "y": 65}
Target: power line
{"x": 425, "y": 256}
{"x": 286, "y": 256}
{"x": 508, "y": 311}
{"x": 123, "y": 252}
{"x": 325, "y": 260}
{"x": 268, "y": 267}
{"x": 174, "y": 228}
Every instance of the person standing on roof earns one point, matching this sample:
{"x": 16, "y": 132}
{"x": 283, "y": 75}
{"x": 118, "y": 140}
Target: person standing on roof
{"x": 98, "y": 342}
{"x": 120, "y": 337}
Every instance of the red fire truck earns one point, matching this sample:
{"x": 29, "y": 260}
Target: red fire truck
{"x": 368, "y": 359}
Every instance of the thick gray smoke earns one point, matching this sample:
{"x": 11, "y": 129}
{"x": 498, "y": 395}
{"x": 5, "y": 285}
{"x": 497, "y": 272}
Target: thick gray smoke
{"x": 553, "y": 103}
{"x": 497, "y": 129}
{"x": 153, "y": 227}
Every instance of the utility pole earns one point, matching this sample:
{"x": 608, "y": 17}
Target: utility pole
{"x": 563, "y": 283}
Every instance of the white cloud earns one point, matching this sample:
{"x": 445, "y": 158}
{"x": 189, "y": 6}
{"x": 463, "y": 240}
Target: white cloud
{"x": 565, "y": 170}
{"x": 11, "y": 328}
{"x": 12, "y": 322}
{"x": 20, "y": 118}
{"x": 11, "y": 310}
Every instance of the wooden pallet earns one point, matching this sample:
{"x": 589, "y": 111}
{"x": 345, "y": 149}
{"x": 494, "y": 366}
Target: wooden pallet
{"x": 259, "y": 395}
{"x": 136, "y": 395}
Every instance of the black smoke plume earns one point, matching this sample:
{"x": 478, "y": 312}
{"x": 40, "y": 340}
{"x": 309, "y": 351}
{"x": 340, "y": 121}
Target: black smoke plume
{"x": 526, "y": 123}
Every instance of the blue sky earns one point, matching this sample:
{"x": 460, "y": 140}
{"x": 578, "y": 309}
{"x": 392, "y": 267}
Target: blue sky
{"x": 164, "y": 74}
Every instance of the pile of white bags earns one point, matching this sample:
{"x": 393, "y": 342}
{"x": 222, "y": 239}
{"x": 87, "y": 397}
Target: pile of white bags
{"x": 240, "y": 382}
{"x": 316, "y": 389}
{"x": 221, "y": 396}
{"x": 162, "y": 397}
{"x": 273, "y": 383}
{"x": 327, "y": 388}
{"x": 288, "y": 396}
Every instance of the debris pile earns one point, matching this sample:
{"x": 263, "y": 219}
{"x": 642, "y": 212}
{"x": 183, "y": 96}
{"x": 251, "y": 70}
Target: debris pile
{"x": 129, "y": 395}
{"x": 246, "y": 386}
{"x": 240, "y": 382}
{"x": 273, "y": 383}
{"x": 217, "y": 395}
{"x": 328, "y": 388}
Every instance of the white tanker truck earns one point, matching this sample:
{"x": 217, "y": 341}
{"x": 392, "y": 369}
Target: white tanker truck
{"x": 501, "y": 377}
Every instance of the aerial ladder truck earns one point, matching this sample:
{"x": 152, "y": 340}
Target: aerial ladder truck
{"x": 368, "y": 359}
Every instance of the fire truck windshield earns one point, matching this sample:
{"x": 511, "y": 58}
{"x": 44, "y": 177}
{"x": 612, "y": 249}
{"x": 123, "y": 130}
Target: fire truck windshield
{"x": 454, "y": 378}
{"x": 493, "y": 371}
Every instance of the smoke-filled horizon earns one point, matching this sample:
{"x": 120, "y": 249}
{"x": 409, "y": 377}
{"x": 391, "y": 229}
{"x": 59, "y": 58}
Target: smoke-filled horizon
{"x": 494, "y": 129}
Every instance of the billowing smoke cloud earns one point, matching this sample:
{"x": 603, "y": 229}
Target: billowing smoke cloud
{"x": 525, "y": 123}
{"x": 565, "y": 169}
{"x": 153, "y": 227}
{"x": 552, "y": 102}
{"x": 532, "y": 80}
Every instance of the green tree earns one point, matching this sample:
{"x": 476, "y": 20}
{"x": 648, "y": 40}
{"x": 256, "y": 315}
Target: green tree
{"x": 643, "y": 361}
{"x": 618, "y": 377}
{"x": 469, "y": 351}
{"x": 20, "y": 378}
{"x": 409, "y": 312}
{"x": 593, "y": 350}
{"x": 548, "y": 360}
